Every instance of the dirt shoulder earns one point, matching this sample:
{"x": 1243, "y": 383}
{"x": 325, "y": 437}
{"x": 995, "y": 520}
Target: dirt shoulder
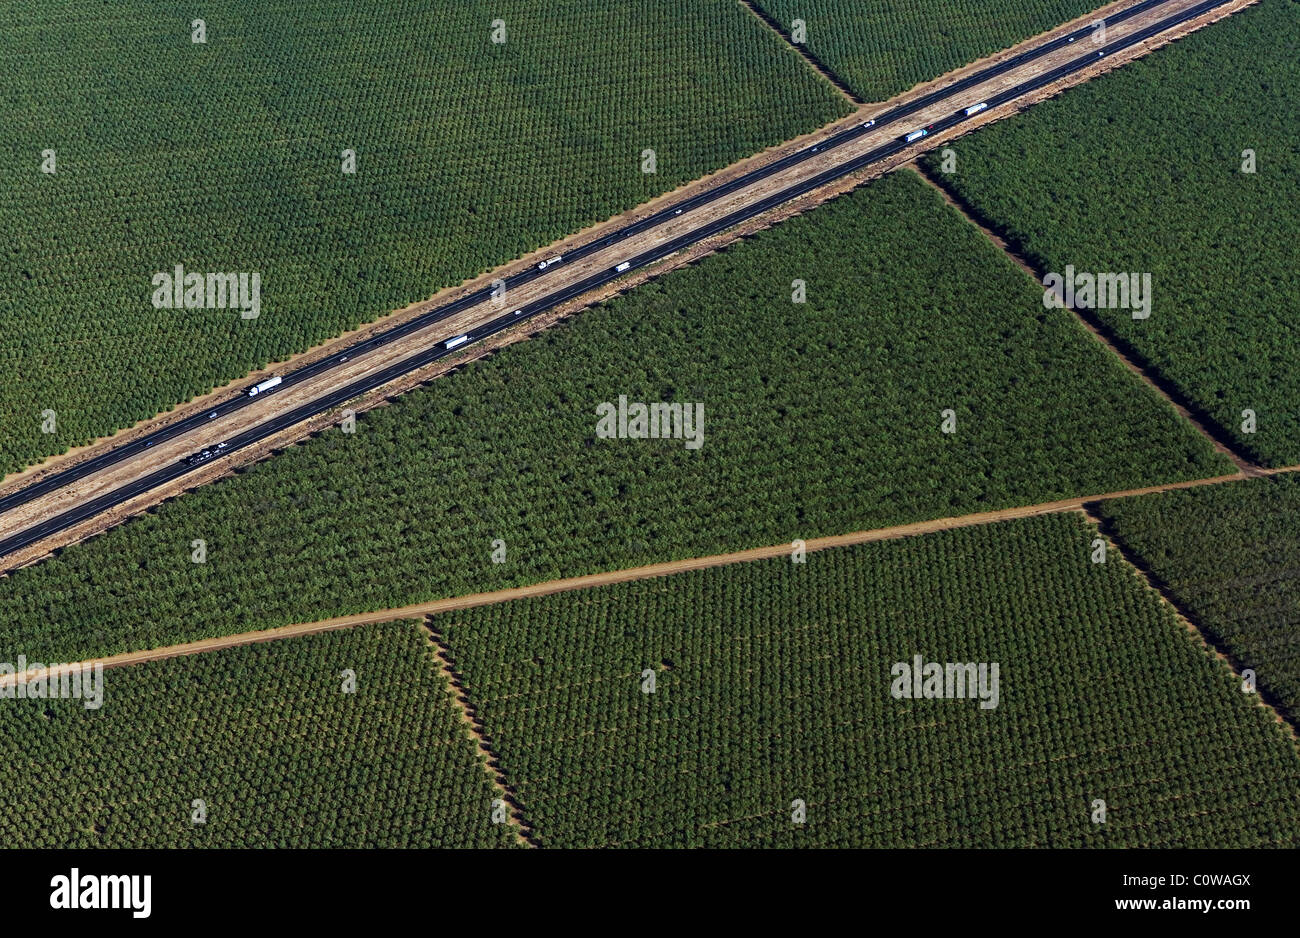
{"x": 129, "y": 470}
{"x": 79, "y": 454}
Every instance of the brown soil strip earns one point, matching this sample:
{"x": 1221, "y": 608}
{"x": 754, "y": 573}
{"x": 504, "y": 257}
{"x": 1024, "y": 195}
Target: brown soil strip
{"x": 478, "y": 735}
{"x": 1202, "y": 636}
{"x": 626, "y": 575}
{"x": 592, "y": 233}
{"x": 1103, "y": 334}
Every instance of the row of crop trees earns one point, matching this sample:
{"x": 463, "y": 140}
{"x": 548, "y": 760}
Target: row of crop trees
{"x": 698, "y": 711}
{"x": 344, "y": 739}
{"x": 819, "y": 418}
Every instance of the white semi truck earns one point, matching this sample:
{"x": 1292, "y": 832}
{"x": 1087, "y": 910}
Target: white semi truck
{"x": 264, "y": 386}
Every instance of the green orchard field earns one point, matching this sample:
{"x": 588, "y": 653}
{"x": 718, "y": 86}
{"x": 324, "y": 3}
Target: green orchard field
{"x": 1230, "y": 556}
{"x": 265, "y": 737}
{"x": 821, "y": 418}
{"x": 1140, "y": 170}
{"x": 774, "y": 682}
{"x": 881, "y": 49}
{"x": 227, "y": 156}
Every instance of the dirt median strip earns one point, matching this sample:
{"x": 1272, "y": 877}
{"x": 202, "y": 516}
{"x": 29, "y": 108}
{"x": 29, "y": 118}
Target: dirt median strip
{"x": 137, "y": 467}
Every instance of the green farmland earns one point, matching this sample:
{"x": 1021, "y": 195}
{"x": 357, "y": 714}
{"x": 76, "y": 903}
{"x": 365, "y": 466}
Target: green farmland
{"x": 1230, "y": 555}
{"x": 1141, "y": 170}
{"x": 882, "y": 49}
{"x": 774, "y": 683}
{"x": 228, "y": 155}
{"x": 820, "y": 418}
{"x": 264, "y": 736}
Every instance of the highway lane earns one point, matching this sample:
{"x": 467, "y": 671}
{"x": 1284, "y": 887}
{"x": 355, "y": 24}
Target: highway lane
{"x": 893, "y": 115}
{"x": 380, "y": 377}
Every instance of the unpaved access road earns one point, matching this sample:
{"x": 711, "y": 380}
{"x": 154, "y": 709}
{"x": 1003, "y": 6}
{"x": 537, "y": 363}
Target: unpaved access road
{"x": 626, "y": 575}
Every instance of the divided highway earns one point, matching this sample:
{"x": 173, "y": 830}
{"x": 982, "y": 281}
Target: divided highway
{"x": 1078, "y": 39}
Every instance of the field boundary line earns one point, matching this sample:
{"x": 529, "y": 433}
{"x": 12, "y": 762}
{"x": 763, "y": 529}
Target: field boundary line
{"x": 626, "y": 575}
{"x": 926, "y": 85}
{"x": 93, "y": 526}
{"x": 55, "y": 462}
{"x": 1129, "y": 358}
{"x": 476, "y": 732}
{"x": 1202, "y": 636}
{"x": 816, "y": 64}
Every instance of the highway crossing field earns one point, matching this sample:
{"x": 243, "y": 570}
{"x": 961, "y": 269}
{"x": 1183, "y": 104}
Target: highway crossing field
{"x": 774, "y": 181}
{"x": 609, "y": 708}
{"x": 119, "y": 473}
{"x": 1185, "y": 166}
{"x": 229, "y": 156}
{"x": 819, "y": 418}
{"x": 257, "y": 746}
{"x": 879, "y": 49}
{"x": 829, "y": 530}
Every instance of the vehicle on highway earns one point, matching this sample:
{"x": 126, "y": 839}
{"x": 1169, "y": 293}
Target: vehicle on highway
{"x": 459, "y": 340}
{"x": 976, "y": 108}
{"x": 622, "y": 267}
{"x": 203, "y": 455}
{"x": 262, "y": 386}
{"x": 550, "y": 262}
{"x": 64, "y": 477}
{"x": 915, "y": 135}
{"x": 516, "y": 312}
